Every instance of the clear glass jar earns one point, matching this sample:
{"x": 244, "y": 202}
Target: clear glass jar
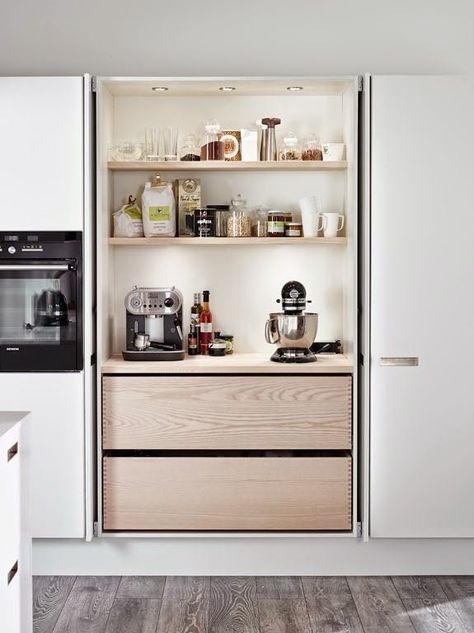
{"x": 190, "y": 149}
{"x": 239, "y": 223}
{"x": 290, "y": 149}
{"x": 312, "y": 148}
{"x": 260, "y": 222}
{"x": 212, "y": 147}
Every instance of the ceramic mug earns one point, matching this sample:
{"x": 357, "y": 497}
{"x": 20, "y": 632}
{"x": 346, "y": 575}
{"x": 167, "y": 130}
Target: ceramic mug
{"x": 310, "y": 216}
{"x": 332, "y": 224}
{"x": 333, "y": 151}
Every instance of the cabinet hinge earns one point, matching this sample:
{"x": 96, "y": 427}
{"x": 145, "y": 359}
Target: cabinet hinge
{"x": 361, "y": 83}
{"x": 95, "y": 529}
{"x": 94, "y": 84}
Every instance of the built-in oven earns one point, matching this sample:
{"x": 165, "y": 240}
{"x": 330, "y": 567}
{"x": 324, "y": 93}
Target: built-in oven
{"x": 41, "y": 324}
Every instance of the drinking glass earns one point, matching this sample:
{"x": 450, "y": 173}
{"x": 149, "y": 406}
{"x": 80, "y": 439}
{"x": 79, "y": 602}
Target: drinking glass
{"x": 170, "y": 143}
{"x": 153, "y": 144}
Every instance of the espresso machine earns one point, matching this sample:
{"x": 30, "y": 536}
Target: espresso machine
{"x": 292, "y": 330}
{"x": 154, "y": 324}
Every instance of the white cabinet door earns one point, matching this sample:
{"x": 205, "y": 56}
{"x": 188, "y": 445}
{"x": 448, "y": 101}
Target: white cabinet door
{"x": 42, "y": 157}
{"x": 57, "y": 447}
{"x": 422, "y": 305}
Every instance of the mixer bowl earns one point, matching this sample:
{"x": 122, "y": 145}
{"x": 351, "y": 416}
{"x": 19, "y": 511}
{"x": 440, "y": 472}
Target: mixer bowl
{"x": 291, "y": 330}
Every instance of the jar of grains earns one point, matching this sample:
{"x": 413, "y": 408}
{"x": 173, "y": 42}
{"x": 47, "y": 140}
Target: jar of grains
{"x": 239, "y": 223}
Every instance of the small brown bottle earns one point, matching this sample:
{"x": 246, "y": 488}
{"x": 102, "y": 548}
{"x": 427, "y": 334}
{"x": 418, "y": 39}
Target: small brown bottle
{"x": 193, "y": 345}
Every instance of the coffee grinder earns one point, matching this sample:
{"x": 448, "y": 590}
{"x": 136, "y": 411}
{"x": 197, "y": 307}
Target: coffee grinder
{"x": 154, "y": 324}
{"x": 292, "y": 330}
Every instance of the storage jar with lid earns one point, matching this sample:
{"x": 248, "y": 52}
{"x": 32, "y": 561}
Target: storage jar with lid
{"x": 276, "y": 223}
{"x": 239, "y": 223}
{"x": 212, "y": 147}
{"x": 260, "y": 222}
{"x": 190, "y": 149}
{"x": 290, "y": 149}
{"x": 312, "y": 148}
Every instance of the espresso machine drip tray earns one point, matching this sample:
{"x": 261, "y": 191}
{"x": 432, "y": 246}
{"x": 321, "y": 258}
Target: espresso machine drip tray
{"x": 293, "y": 355}
{"x": 153, "y": 354}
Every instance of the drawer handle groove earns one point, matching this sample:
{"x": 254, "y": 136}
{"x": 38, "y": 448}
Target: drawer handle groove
{"x": 12, "y": 573}
{"x": 12, "y": 451}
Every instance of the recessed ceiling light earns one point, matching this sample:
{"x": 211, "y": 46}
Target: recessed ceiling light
{"x": 294, "y": 88}
{"x": 159, "y": 88}
{"x": 227, "y": 88}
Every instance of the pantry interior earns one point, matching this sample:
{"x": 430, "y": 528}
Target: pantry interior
{"x": 244, "y": 275}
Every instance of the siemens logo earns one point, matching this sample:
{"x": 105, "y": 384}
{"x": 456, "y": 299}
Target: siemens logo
{"x": 13, "y": 349}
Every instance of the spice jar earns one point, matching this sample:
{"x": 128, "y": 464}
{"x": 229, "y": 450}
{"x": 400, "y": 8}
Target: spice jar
{"x": 239, "y": 223}
{"x": 293, "y": 229}
{"x": 212, "y": 147}
{"x": 312, "y": 148}
{"x": 276, "y": 223}
{"x": 190, "y": 148}
{"x": 290, "y": 149}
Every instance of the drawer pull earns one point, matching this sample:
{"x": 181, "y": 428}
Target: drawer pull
{"x": 12, "y": 573}
{"x": 399, "y": 361}
{"x": 12, "y": 451}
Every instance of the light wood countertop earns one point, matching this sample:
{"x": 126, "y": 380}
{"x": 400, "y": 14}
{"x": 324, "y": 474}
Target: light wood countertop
{"x": 231, "y": 364}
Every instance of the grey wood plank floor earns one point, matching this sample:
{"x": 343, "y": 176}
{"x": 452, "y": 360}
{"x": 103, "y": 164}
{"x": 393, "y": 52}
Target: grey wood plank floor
{"x": 246, "y": 604}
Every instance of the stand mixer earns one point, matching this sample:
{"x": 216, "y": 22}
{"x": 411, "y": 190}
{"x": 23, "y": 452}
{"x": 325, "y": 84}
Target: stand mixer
{"x": 292, "y": 330}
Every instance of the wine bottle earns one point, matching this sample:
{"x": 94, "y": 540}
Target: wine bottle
{"x": 205, "y": 334}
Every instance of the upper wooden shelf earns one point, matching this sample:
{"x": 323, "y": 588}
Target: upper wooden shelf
{"x": 223, "y": 241}
{"x": 223, "y": 165}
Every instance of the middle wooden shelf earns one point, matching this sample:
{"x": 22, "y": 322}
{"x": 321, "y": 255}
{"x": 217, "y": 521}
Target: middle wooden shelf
{"x": 224, "y": 241}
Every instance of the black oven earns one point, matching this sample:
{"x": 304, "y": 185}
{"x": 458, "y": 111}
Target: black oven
{"x": 41, "y": 324}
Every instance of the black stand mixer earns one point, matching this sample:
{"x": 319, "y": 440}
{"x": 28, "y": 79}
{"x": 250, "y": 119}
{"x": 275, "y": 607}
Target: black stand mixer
{"x": 292, "y": 330}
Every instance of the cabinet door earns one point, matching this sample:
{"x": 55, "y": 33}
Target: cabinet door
{"x": 422, "y": 305}
{"x": 42, "y": 158}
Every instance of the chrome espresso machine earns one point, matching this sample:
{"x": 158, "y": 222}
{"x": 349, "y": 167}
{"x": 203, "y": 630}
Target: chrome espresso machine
{"x": 154, "y": 324}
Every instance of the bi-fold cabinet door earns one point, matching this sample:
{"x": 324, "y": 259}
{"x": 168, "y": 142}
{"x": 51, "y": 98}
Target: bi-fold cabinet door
{"x": 422, "y": 305}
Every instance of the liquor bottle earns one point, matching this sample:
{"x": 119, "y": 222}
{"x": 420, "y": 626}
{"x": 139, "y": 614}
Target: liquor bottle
{"x": 196, "y": 310}
{"x": 205, "y": 335}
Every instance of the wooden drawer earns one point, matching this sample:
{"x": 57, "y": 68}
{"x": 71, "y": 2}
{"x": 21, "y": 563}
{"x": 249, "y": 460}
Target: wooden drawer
{"x": 227, "y": 412}
{"x": 227, "y": 493}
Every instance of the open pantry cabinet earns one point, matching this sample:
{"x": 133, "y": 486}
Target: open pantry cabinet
{"x": 244, "y": 276}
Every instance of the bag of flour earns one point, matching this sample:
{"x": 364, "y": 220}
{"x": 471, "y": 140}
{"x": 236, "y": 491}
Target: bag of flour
{"x": 128, "y": 220}
{"x": 159, "y": 209}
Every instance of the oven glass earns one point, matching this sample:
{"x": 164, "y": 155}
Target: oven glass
{"x": 39, "y": 311}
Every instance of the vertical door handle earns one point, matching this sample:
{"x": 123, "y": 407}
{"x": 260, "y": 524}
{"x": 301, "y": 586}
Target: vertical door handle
{"x": 12, "y": 573}
{"x": 399, "y": 361}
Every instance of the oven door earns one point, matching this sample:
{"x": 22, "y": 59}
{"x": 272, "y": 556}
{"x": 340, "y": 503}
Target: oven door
{"x": 40, "y": 316}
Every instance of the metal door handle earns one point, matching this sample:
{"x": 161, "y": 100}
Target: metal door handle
{"x": 399, "y": 361}
{"x": 12, "y": 451}
{"x": 34, "y": 267}
{"x": 12, "y": 573}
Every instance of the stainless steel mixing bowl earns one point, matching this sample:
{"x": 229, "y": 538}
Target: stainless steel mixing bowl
{"x": 291, "y": 330}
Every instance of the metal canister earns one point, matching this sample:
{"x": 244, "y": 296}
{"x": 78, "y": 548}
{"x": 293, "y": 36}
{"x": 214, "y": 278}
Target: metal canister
{"x": 221, "y": 211}
{"x": 204, "y": 222}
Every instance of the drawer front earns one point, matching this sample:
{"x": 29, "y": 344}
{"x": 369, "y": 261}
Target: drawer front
{"x": 222, "y": 412}
{"x": 227, "y": 493}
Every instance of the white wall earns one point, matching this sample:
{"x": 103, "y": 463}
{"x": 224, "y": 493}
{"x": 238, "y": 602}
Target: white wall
{"x": 251, "y": 37}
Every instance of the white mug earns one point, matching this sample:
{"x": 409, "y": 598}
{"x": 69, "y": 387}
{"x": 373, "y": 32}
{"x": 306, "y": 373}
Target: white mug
{"x": 333, "y": 151}
{"x": 332, "y": 224}
{"x": 310, "y": 215}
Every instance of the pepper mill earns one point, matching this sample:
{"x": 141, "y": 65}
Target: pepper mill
{"x": 268, "y": 145}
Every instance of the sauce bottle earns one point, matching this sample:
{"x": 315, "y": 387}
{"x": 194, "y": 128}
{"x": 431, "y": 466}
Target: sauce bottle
{"x": 205, "y": 334}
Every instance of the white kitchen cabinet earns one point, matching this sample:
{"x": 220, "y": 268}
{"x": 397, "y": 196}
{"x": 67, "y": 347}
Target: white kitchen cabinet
{"x": 57, "y": 438}
{"x": 422, "y": 270}
{"x": 42, "y": 157}
{"x": 15, "y": 537}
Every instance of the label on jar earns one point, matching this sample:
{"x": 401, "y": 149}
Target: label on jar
{"x": 276, "y": 226}
{"x": 206, "y": 328}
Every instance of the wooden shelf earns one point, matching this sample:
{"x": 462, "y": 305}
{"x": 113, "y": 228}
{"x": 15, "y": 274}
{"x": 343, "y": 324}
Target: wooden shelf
{"x": 222, "y": 165}
{"x": 224, "y": 241}
{"x": 237, "y": 363}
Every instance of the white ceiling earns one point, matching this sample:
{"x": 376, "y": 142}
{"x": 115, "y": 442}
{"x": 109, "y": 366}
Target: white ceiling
{"x": 244, "y": 37}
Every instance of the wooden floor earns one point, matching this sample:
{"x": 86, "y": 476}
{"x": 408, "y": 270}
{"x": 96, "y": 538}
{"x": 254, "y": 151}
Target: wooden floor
{"x": 110, "y": 604}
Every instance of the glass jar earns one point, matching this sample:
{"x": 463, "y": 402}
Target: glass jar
{"x": 190, "y": 149}
{"x": 312, "y": 148}
{"x": 212, "y": 147}
{"x": 276, "y": 223}
{"x": 260, "y": 222}
{"x": 239, "y": 223}
{"x": 290, "y": 149}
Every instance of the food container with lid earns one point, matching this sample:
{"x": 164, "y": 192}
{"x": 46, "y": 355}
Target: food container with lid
{"x": 204, "y": 222}
{"x": 239, "y": 223}
{"x": 276, "y": 223}
{"x": 212, "y": 147}
{"x": 190, "y": 150}
{"x": 312, "y": 148}
{"x": 217, "y": 347}
{"x": 293, "y": 229}
{"x": 221, "y": 214}
{"x": 290, "y": 149}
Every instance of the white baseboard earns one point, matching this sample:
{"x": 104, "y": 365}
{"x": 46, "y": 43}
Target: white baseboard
{"x": 249, "y": 556}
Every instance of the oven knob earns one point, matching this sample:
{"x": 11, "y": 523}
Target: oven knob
{"x": 11, "y": 250}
